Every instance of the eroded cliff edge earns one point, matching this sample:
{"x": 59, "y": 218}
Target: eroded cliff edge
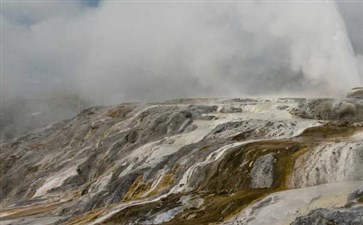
{"x": 191, "y": 161}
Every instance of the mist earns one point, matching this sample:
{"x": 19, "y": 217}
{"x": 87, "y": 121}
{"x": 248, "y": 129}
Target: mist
{"x": 113, "y": 52}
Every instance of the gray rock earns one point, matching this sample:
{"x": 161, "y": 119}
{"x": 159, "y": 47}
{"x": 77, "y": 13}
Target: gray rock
{"x": 355, "y": 196}
{"x": 355, "y": 93}
{"x": 330, "y": 109}
{"x": 231, "y": 109}
{"x": 262, "y": 171}
{"x": 332, "y": 216}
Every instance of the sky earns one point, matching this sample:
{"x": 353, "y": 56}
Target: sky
{"x": 119, "y": 51}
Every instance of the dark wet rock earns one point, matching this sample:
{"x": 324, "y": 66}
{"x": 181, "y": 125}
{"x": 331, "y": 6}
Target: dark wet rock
{"x": 282, "y": 107}
{"x": 203, "y": 108}
{"x": 355, "y": 197}
{"x": 231, "y": 109}
{"x": 341, "y": 216}
{"x": 226, "y": 126}
{"x": 240, "y": 100}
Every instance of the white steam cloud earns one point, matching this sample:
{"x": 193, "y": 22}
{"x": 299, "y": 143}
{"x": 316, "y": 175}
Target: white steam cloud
{"x": 122, "y": 51}
{"x": 157, "y": 50}
{"x": 140, "y": 51}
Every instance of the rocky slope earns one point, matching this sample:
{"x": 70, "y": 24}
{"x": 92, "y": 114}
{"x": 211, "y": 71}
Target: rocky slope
{"x": 191, "y": 161}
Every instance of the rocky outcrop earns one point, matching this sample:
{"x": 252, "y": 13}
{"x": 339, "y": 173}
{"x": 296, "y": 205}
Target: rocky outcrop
{"x": 350, "y": 110}
{"x": 311, "y": 205}
{"x": 187, "y": 161}
{"x": 351, "y": 213}
{"x": 333, "y": 162}
{"x": 332, "y": 216}
{"x": 355, "y": 93}
{"x": 262, "y": 171}
{"x": 346, "y": 109}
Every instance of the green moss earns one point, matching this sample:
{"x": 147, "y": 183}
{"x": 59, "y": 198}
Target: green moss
{"x": 330, "y": 131}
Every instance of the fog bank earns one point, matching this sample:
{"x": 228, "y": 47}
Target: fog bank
{"x": 112, "y": 52}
